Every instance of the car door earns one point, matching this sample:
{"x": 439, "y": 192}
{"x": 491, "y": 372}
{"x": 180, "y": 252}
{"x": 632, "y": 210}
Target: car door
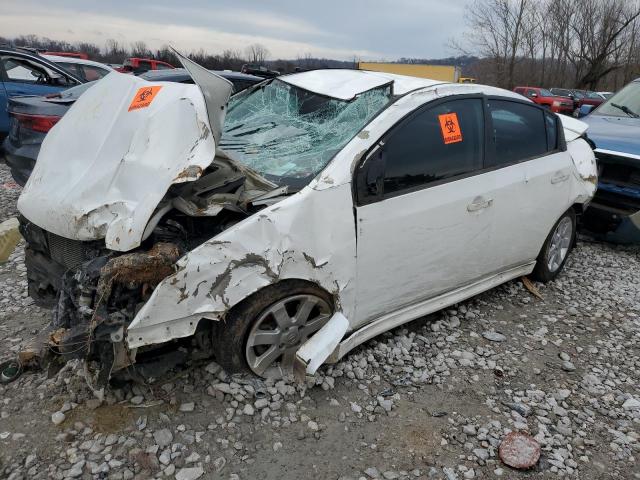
{"x": 531, "y": 169}
{"x": 423, "y": 219}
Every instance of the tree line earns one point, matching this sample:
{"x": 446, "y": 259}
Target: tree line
{"x": 592, "y": 44}
{"x": 115, "y": 52}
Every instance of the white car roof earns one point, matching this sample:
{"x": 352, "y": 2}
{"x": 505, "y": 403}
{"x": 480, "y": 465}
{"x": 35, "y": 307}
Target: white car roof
{"x": 58, "y": 59}
{"x": 346, "y": 84}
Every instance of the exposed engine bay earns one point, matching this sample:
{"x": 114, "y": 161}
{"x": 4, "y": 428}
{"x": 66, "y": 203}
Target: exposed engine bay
{"x": 95, "y": 292}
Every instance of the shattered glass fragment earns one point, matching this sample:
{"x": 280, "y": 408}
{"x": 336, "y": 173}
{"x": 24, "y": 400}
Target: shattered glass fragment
{"x": 288, "y": 134}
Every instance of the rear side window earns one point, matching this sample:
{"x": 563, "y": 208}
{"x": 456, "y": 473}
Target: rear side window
{"x": 552, "y": 131}
{"x": 436, "y": 144}
{"x": 91, "y": 73}
{"x": 519, "y": 132}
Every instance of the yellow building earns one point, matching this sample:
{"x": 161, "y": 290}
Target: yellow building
{"x": 445, "y": 73}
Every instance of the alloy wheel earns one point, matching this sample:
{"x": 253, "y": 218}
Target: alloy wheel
{"x": 560, "y": 244}
{"x": 280, "y": 330}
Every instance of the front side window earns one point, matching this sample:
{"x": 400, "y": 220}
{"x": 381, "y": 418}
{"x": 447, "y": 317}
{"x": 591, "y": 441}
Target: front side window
{"x": 519, "y": 132}
{"x": 439, "y": 143}
{"x": 288, "y": 135}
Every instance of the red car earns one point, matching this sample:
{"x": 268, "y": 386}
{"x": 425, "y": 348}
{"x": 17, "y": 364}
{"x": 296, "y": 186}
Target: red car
{"x": 544, "y": 97}
{"x": 142, "y": 65}
{"x": 81, "y": 56}
{"x": 580, "y": 97}
{"x": 585, "y": 97}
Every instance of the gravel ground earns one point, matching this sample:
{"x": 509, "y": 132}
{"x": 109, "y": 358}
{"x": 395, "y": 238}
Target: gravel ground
{"x": 433, "y": 399}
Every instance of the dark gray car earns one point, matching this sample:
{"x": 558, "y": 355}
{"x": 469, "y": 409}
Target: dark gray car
{"x": 240, "y": 80}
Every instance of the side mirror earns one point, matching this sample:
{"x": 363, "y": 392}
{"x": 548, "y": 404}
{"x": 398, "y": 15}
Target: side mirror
{"x": 370, "y": 177}
{"x": 585, "y": 110}
{"x": 533, "y": 95}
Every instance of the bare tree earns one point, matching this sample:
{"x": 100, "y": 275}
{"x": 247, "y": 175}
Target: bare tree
{"x": 497, "y": 29}
{"x": 257, "y": 53}
{"x": 140, "y": 49}
{"x": 555, "y": 42}
{"x": 599, "y": 30}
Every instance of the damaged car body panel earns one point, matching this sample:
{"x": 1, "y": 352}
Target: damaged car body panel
{"x": 125, "y": 142}
{"x": 273, "y": 245}
{"x": 161, "y": 229}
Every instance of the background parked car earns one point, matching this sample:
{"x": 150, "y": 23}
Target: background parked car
{"x": 259, "y": 70}
{"x": 87, "y": 70}
{"x": 23, "y": 72}
{"x": 586, "y": 97}
{"x": 579, "y": 97}
{"x": 544, "y": 97}
{"x": 33, "y": 117}
{"x": 240, "y": 80}
{"x": 614, "y": 128}
{"x": 606, "y": 95}
{"x": 80, "y": 55}
{"x": 138, "y": 66}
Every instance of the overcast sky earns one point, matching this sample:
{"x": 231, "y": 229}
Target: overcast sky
{"x": 371, "y": 30}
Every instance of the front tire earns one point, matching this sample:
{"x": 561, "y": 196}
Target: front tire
{"x": 262, "y": 333}
{"x": 556, "y": 248}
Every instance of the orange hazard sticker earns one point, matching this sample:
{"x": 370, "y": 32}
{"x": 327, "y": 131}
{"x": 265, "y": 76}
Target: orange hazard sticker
{"x": 450, "y": 127}
{"x": 143, "y": 98}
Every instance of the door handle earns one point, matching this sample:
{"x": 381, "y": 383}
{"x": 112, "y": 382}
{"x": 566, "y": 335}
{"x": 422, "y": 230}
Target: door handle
{"x": 559, "y": 178}
{"x": 479, "y": 203}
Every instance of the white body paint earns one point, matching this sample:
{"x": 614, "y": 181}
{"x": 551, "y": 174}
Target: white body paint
{"x": 385, "y": 263}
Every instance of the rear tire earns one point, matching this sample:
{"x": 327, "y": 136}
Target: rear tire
{"x": 556, "y": 248}
{"x": 252, "y": 340}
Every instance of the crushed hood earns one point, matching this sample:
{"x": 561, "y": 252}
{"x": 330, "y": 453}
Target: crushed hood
{"x": 104, "y": 168}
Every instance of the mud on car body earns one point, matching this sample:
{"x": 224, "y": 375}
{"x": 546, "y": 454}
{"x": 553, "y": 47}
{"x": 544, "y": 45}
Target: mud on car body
{"x": 295, "y": 221}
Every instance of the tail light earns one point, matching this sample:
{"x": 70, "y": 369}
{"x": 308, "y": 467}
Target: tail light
{"x": 37, "y": 123}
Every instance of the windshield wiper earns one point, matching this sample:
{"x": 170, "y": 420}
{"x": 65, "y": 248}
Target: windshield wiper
{"x": 626, "y": 110}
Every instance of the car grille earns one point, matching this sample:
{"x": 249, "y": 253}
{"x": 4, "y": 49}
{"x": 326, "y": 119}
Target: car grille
{"x": 69, "y": 253}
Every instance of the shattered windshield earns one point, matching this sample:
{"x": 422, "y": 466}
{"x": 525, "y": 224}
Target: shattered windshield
{"x": 288, "y": 134}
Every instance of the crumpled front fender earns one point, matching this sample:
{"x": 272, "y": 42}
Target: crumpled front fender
{"x": 586, "y": 170}
{"x": 309, "y": 236}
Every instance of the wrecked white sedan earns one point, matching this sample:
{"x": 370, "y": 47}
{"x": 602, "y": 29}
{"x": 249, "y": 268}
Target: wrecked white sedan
{"x": 292, "y": 223}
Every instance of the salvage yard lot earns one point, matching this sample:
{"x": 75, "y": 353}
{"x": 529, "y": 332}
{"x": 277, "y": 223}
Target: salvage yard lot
{"x": 432, "y": 399}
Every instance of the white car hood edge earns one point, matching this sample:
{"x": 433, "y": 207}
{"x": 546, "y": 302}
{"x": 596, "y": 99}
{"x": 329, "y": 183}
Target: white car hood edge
{"x": 104, "y": 168}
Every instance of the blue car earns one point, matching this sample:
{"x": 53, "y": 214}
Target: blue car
{"x": 23, "y": 73}
{"x": 614, "y": 129}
